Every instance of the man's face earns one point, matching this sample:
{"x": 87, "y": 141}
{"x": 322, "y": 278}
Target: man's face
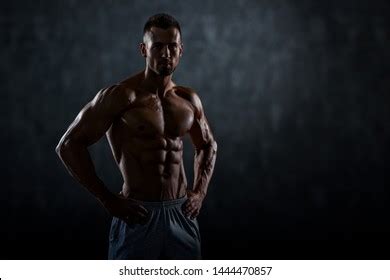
{"x": 162, "y": 49}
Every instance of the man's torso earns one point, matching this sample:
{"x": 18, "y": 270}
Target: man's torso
{"x": 146, "y": 141}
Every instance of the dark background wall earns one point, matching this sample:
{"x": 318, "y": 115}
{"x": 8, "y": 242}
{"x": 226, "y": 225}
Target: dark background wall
{"x": 296, "y": 93}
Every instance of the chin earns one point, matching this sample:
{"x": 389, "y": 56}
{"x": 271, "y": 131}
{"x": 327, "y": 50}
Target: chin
{"x": 166, "y": 71}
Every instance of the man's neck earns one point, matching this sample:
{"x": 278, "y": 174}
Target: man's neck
{"x": 155, "y": 83}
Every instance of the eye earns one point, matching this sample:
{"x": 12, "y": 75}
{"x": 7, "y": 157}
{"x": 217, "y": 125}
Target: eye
{"x": 173, "y": 46}
{"x": 156, "y": 46}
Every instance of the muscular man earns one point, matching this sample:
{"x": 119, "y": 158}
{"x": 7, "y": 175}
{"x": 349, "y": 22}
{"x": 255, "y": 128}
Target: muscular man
{"x": 145, "y": 118}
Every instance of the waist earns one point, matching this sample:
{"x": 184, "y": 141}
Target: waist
{"x": 159, "y": 204}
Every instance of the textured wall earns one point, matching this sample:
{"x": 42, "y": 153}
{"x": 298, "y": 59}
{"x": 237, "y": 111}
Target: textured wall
{"x": 295, "y": 92}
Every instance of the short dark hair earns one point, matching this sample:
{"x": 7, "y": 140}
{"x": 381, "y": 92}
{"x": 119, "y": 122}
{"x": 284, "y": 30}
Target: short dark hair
{"x": 163, "y": 21}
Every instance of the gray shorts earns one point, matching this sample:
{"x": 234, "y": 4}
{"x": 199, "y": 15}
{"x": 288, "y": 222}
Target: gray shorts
{"x": 168, "y": 234}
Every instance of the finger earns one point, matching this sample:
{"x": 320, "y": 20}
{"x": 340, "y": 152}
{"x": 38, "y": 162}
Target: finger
{"x": 194, "y": 215}
{"x": 190, "y": 212}
{"x": 189, "y": 203}
{"x": 190, "y": 208}
{"x": 140, "y": 215}
{"x": 138, "y": 209}
{"x": 142, "y": 212}
{"x": 144, "y": 221}
{"x": 187, "y": 210}
{"x": 143, "y": 208}
{"x": 184, "y": 206}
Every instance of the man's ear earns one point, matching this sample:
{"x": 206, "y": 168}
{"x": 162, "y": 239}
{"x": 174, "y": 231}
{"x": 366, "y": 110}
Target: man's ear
{"x": 142, "y": 48}
{"x": 181, "y": 49}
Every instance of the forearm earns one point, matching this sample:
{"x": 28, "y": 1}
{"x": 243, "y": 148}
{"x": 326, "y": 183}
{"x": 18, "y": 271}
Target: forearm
{"x": 204, "y": 163}
{"x": 77, "y": 161}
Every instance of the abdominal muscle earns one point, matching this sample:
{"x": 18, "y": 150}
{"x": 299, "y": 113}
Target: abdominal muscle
{"x": 152, "y": 169}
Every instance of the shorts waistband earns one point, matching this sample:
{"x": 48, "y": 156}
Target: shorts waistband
{"x": 160, "y": 204}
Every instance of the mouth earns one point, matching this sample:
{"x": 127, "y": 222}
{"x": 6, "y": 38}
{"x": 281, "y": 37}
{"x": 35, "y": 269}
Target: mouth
{"x": 165, "y": 62}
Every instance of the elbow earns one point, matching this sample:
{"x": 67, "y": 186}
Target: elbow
{"x": 214, "y": 146}
{"x": 209, "y": 147}
{"x": 60, "y": 148}
{"x": 63, "y": 147}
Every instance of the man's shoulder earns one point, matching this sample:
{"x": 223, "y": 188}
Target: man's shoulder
{"x": 122, "y": 90}
{"x": 191, "y": 96}
{"x": 113, "y": 93}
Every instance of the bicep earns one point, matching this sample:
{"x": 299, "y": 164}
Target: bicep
{"x": 200, "y": 132}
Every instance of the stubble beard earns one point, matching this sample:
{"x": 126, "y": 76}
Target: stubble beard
{"x": 166, "y": 71}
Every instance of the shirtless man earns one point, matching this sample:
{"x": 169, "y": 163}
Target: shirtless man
{"x": 145, "y": 118}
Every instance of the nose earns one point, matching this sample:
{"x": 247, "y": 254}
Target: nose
{"x": 166, "y": 52}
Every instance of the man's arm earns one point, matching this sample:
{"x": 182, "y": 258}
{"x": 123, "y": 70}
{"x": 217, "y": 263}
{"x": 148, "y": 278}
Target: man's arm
{"x": 205, "y": 156}
{"x": 89, "y": 126}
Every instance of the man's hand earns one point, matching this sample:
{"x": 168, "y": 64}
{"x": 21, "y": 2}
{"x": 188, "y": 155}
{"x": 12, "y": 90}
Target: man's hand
{"x": 191, "y": 207}
{"x": 130, "y": 213}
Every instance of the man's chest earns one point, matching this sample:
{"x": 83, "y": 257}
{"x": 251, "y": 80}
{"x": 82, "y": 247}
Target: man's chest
{"x": 171, "y": 116}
